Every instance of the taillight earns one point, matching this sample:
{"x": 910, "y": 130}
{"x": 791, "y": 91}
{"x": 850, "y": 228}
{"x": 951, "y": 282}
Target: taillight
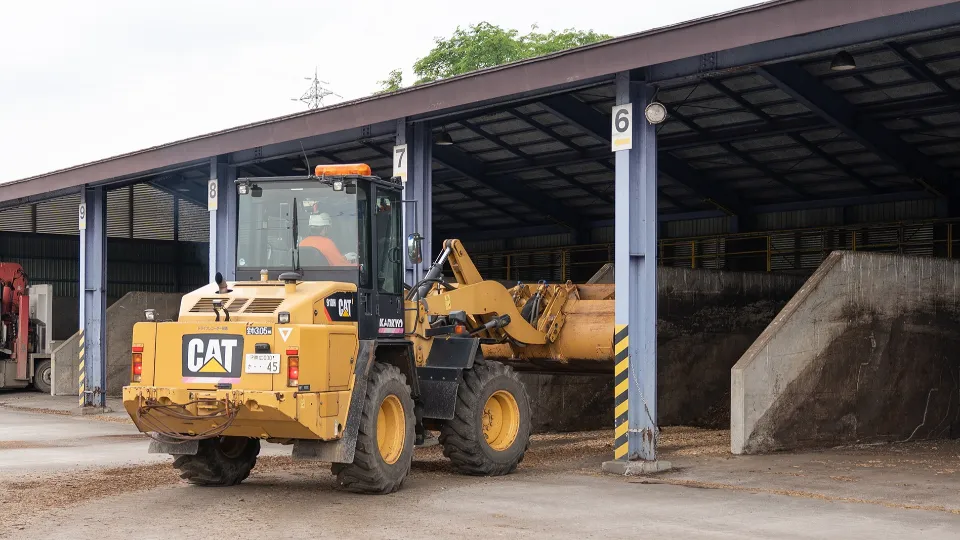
{"x": 460, "y": 329}
{"x": 293, "y": 370}
{"x": 137, "y": 363}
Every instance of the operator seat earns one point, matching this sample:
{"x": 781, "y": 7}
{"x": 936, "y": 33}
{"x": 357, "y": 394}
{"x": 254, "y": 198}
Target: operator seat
{"x": 311, "y": 256}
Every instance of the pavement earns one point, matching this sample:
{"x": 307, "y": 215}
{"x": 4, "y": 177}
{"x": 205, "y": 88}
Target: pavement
{"x": 64, "y": 476}
{"x": 47, "y": 434}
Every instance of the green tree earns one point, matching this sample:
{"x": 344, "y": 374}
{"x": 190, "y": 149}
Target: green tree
{"x": 392, "y": 83}
{"x": 485, "y": 45}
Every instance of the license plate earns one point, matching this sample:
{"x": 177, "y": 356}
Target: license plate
{"x": 263, "y": 363}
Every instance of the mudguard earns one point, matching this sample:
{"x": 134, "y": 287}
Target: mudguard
{"x": 342, "y": 449}
{"x": 440, "y": 377}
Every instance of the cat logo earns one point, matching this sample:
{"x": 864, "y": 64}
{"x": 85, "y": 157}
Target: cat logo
{"x": 212, "y": 357}
{"x": 339, "y": 306}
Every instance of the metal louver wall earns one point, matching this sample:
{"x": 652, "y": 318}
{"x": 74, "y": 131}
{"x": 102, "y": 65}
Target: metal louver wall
{"x": 58, "y": 216}
{"x": 194, "y": 222}
{"x": 17, "y": 219}
{"x": 44, "y": 239}
{"x": 152, "y": 213}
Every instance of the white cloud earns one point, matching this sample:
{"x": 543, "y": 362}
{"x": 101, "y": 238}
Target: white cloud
{"x": 80, "y": 82}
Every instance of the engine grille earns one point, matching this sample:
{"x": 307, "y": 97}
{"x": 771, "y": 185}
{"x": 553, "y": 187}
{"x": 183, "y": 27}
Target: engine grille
{"x": 263, "y": 305}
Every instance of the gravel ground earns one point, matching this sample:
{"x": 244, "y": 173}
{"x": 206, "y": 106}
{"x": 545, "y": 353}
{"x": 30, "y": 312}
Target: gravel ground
{"x": 920, "y": 476}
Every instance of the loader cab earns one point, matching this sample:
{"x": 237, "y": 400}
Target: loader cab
{"x": 343, "y": 225}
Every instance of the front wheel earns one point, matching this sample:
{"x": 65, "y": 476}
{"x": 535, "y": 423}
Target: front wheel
{"x": 490, "y": 430}
{"x": 384, "y": 450}
{"x": 221, "y": 461}
{"x": 43, "y": 376}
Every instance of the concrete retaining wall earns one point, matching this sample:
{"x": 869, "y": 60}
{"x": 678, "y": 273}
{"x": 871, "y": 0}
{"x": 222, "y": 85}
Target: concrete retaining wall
{"x": 866, "y": 351}
{"x": 706, "y": 320}
{"x": 121, "y": 316}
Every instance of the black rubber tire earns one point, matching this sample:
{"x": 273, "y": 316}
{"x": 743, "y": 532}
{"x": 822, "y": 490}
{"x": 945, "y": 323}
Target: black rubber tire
{"x": 222, "y": 461}
{"x": 462, "y": 437}
{"x": 42, "y": 376}
{"x": 369, "y": 473}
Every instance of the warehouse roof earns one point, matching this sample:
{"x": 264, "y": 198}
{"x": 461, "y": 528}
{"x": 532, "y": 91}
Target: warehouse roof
{"x": 585, "y": 67}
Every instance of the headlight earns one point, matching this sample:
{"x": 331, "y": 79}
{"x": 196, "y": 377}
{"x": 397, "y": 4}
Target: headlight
{"x": 150, "y": 314}
{"x": 283, "y": 317}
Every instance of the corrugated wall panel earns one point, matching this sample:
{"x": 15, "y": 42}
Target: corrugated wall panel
{"x": 893, "y": 211}
{"x": 602, "y": 235}
{"x": 695, "y": 227}
{"x": 59, "y": 216}
{"x": 118, "y": 212}
{"x": 817, "y": 217}
{"x": 543, "y": 241}
{"x": 132, "y": 265}
{"x": 152, "y": 213}
{"x": 194, "y": 222}
{"x": 16, "y": 219}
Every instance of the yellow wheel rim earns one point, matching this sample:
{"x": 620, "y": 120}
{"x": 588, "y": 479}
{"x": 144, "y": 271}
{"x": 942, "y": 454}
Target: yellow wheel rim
{"x": 501, "y": 420}
{"x": 390, "y": 429}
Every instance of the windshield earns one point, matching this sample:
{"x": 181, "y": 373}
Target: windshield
{"x": 325, "y": 222}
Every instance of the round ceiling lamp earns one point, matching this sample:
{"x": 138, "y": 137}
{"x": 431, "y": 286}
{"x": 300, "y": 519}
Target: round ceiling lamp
{"x": 656, "y": 113}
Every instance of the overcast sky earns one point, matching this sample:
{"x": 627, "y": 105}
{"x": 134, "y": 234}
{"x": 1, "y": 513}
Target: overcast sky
{"x": 80, "y": 81}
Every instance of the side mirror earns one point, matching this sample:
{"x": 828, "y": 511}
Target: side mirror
{"x": 414, "y": 248}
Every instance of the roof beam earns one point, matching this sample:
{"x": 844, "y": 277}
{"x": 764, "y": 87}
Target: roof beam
{"x": 596, "y": 123}
{"x": 833, "y": 107}
{"x": 454, "y": 187}
{"x": 605, "y": 197}
{"x": 474, "y": 170}
{"x": 195, "y": 193}
{"x": 922, "y": 69}
{"x": 810, "y": 147}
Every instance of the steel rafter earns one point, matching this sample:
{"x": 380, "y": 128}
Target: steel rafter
{"x": 833, "y": 107}
{"x": 594, "y": 122}
{"x": 552, "y": 170}
{"x": 813, "y": 148}
{"x": 453, "y": 187}
{"x": 469, "y": 167}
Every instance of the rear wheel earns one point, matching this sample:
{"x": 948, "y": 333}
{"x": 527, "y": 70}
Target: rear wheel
{"x": 490, "y": 430}
{"x": 42, "y": 376}
{"x": 384, "y": 450}
{"x": 221, "y": 461}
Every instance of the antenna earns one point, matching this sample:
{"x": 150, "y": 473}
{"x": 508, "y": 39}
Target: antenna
{"x": 306, "y": 161}
{"x": 314, "y": 95}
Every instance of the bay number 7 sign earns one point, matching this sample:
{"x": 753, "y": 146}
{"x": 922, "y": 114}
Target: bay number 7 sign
{"x": 621, "y": 137}
{"x": 400, "y": 162}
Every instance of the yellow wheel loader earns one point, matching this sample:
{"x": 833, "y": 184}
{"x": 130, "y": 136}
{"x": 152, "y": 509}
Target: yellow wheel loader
{"x": 320, "y": 345}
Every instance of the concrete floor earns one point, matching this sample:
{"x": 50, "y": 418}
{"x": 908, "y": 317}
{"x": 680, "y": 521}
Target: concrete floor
{"x": 61, "y": 474}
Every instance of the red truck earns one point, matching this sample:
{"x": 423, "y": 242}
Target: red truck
{"x": 24, "y": 343}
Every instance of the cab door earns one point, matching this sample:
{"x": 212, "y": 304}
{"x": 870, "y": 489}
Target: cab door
{"x": 388, "y": 261}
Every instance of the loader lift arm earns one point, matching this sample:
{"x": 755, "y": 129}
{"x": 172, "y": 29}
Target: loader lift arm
{"x": 524, "y": 315}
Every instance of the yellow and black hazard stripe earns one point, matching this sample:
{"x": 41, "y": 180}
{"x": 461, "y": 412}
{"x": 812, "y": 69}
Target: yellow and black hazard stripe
{"x": 621, "y": 345}
{"x": 83, "y": 372}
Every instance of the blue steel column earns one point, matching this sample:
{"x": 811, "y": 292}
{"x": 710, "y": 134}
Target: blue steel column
{"x": 212, "y": 236}
{"x": 93, "y": 300}
{"x": 636, "y": 277}
{"x": 223, "y": 221}
{"x": 417, "y": 192}
{"x": 227, "y": 220}
{"x": 421, "y": 167}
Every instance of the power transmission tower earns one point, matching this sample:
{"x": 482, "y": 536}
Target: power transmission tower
{"x": 314, "y": 95}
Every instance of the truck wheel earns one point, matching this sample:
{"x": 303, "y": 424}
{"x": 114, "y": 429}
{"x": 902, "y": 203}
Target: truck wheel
{"x": 384, "y": 450}
{"x": 42, "y": 375}
{"x": 222, "y": 461}
{"x": 490, "y": 430}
